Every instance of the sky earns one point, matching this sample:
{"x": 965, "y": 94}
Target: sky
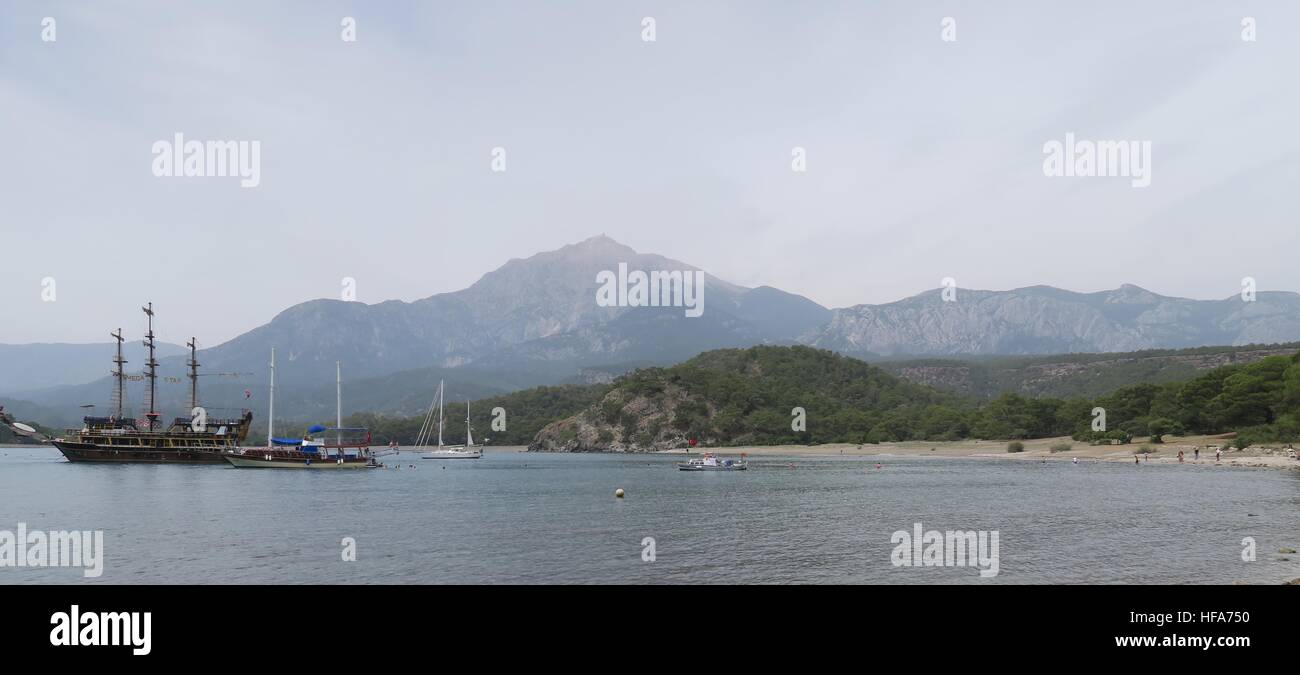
{"x": 924, "y": 156}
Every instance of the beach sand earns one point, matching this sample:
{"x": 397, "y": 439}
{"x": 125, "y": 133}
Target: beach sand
{"x": 1036, "y": 450}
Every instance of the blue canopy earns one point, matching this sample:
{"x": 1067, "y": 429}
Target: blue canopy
{"x": 315, "y": 429}
{"x": 287, "y": 441}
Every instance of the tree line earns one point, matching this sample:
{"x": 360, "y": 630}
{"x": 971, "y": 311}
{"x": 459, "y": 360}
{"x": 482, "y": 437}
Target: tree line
{"x": 746, "y": 397}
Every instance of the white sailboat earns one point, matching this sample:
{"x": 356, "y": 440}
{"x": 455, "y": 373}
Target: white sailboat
{"x": 467, "y": 451}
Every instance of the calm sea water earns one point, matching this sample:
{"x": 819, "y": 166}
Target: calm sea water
{"x": 528, "y": 518}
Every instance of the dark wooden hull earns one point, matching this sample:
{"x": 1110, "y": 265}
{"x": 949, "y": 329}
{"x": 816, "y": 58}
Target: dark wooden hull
{"x": 89, "y": 452}
{"x": 256, "y": 460}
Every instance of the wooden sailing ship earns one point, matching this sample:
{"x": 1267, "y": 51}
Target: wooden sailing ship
{"x": 322, "y": 447}
{"x": 121, "y": 438}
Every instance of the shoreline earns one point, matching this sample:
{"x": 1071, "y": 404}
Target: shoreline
{"x": 1036, "y": 450}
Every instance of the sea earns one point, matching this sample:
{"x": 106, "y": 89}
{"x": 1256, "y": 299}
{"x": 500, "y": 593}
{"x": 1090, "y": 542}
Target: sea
{"x": 526, "y": 518}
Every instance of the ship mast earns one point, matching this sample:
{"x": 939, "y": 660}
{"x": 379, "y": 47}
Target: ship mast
{"x": 119, "y": 373}
{"x": 338, "y": 393}
{"x": 270, "y": 416}
{"x": 152, "y": 365}
{"x": 194, "y": 374}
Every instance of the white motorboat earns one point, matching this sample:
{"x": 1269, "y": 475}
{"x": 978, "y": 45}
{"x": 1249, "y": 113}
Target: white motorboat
{"x": 709, "y": 462}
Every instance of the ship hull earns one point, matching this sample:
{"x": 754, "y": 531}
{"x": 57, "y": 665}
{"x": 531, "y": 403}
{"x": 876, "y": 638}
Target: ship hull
{"x": 90, "y": 452}
{"x": 452, "y": 454}
{"x": 262, "y": 462}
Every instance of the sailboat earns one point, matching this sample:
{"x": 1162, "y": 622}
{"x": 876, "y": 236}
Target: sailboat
{"x": 467, "y": 451}
{"x": 321, "y": 448}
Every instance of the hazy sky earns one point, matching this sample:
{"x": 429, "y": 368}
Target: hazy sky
{"x": 924, "y": 157}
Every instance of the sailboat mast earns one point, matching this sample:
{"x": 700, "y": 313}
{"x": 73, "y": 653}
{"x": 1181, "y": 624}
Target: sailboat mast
{"x": 270, "y": 416}
{"x": 469, "y": 435}
{"x": 120, "y": 374}
{"x": 194, "y": 374}
{"x": 338, "y": 400}
{"x": 152, "y": 364}
{"x": 439, "y": 413}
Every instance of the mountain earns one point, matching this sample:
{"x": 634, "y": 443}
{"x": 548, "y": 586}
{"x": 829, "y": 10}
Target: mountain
{"x": 37, "y": 366}
{"x": 1046, "y": 320}
{"x": 530, "y": 322}
{"x": 535, "y": 312}
{"x": 31, "y": 413}
{"x": 536, "y": 321}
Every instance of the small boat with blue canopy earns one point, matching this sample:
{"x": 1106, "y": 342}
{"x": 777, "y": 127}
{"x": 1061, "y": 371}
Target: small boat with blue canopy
{"x": 322, "y": 447}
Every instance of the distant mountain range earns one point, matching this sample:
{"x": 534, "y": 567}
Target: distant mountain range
{"x": 536, "y": 321}
{"x": 1046, "y": 320}
{"x": 38, "y": 366}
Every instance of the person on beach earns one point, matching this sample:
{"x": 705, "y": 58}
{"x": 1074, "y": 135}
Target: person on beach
{"x": 1180, "y": 456}
{"x": 1196, "y": 454}
{"x": 1136, "y": 460}
{"x": 1217, "y": 452}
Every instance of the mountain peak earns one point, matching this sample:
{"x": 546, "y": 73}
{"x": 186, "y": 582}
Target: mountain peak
{"x": 600, "y": 244}
{"x": 1131, "y": 293}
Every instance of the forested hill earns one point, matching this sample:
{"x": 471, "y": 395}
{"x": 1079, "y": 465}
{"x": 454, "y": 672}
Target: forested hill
{"x": 753, "y": 396}
{"x": 1065, "y": 375}
{"x": 749, "y": 396}
{"x": 744, "y": 397}
{"x": 526, "y": 412}
{"x": 726, "y": 391}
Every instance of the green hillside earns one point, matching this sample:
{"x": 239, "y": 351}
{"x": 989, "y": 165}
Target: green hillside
{"x": 1066, "y": 375}
{"x": 746, "y": 397}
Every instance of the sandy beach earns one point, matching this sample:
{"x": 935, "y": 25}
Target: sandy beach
{"x": 1035, "y": 450}
{"x": 1040, "y": 450}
